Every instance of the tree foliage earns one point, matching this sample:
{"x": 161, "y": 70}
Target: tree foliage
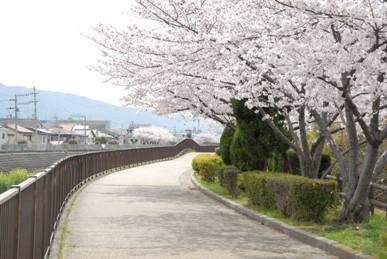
{"x": 253, "y": 143}
{"x": 225, "y": 143}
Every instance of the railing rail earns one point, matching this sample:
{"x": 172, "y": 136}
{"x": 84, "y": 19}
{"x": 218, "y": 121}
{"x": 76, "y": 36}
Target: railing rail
{"x": 378, "y": 201}
{"x": 30, "y": 211}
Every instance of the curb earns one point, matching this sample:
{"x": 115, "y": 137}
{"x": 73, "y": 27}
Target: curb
{"x": 325, "y": 244}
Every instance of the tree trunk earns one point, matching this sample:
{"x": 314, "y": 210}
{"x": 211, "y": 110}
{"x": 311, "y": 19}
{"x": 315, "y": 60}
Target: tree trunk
{"x": 356, "y": 207}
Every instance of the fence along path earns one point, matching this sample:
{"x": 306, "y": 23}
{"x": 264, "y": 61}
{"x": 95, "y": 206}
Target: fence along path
{"x": 30, "y": 211}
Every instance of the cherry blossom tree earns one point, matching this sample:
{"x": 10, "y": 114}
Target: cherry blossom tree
{"x": 153, "y": 135}
{"x": 321, "y": 62}
{"x": 197, "y": 59}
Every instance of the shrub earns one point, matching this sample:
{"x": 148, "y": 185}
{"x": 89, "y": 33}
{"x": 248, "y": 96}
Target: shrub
{"x": 221, "y": 175}
{"x": 310, "y": 198}
{"x": 383, "y": 239}
{"x": 254, "y": 142}
{"x": 16, "y": 176}
{"x": 207, "y": 166}
{"x": 294, "y": 196}
{"x": 100, "y": 140}
{"x": 217, "y": 151}
{"x": 225, "y": 143}
{"x": 208, "y": 171}
{"x": 230, "y": 176}
{"x": 279, "y": 189}
{"x": 255, "y": 188}
{"x": 4, "y": 182}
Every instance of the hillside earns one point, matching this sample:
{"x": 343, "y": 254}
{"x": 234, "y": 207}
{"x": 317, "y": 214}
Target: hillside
{"x": 62, "y": 105}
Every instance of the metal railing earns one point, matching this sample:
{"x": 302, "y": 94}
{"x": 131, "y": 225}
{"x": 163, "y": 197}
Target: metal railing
{"x": 30, "y": 211}
{"x": 6, "y": 148}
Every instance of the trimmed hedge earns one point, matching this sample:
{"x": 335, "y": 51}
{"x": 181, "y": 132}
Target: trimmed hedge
{"x": 255, "y": 188}
{"x": 16, "y": 176}
{"x": 207, "y": 166}
{"x": 383, "y": 239}
{"x": 221, "y": 174}
{"x": 230, "y": 178}
{"x": 294, "y": 196}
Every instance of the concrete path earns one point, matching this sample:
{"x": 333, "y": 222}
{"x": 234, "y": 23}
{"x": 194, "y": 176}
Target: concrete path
{"x": 152, "y": 211}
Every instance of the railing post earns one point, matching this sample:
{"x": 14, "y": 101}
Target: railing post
{"x": 339, "y": 183}
{"x": 371, "y": 197}
{"x": 33, "y": 218}
{"x": 17, "y": 226}
{"x": 45, "y": 212}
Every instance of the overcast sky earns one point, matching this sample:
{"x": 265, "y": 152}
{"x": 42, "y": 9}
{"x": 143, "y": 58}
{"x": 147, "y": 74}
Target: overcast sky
{"x": 41, "y": 42}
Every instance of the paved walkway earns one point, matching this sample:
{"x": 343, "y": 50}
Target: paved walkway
{"x": 152, "y": 211}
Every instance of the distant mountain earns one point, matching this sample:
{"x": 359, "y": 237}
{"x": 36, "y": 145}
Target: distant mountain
{"x": 59, "y": 105}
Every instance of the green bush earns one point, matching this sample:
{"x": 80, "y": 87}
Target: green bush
{"x": 294, "y": 196}
{"x": 383, "y": 239}
{"x": 208, "y": 171}
{"x": 310, "y": 198}
{"x": 255, "y": 188}
{"x": 225, "y": 143}
{"x": 100, "y": 140}
{"x": 254, "y": 142}
{"x": 4, "y": 182}
{"x": 279, "y": 189}
{"x": 16, "y": 176}
{"x": 207, "y": 166}
{"x": 230, "y": 176}
{"x": 220, "y": 173}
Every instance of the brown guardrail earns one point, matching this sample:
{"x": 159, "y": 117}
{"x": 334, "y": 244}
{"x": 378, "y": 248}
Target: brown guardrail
{"x": 30, "y": 211}
{"x": 377, "y": 201}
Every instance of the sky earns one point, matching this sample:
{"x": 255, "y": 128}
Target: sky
{"x": 42, "y": 43}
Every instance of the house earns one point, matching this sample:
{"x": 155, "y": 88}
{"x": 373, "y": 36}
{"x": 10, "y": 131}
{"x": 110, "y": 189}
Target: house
{"x": 93, "y": 124}
{"x": 40, "y": 136}
{"x": 119, "y": 135}
{"x": 30, "y": 131}
{"x": 22, "y": 135}
{"x": 61, "y": 136}
{"x": 6, "y": 136}
{"x": 86, "y": 131}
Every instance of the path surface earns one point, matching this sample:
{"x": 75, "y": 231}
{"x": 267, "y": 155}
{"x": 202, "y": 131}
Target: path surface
{"x": 152, "y": 211}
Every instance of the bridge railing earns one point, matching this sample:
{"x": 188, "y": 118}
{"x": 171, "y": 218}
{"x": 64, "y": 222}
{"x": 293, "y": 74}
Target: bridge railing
{"x": 30, "y": 211}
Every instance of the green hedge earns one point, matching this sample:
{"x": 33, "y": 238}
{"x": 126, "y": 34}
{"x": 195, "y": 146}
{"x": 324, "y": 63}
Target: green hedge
{"x": 294, "y": 196}
{"x": 383, "y": 239}
{"x": 16, "y": 176}
{"x": 207, "y": 166}
{"x": 255, "y": 188}
{"x": 230, "y": 179}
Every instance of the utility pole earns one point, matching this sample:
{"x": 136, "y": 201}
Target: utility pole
{"x": 84, "y": 126}
{"x": 34, "y": 93}
{"x": 16, "y": 109}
